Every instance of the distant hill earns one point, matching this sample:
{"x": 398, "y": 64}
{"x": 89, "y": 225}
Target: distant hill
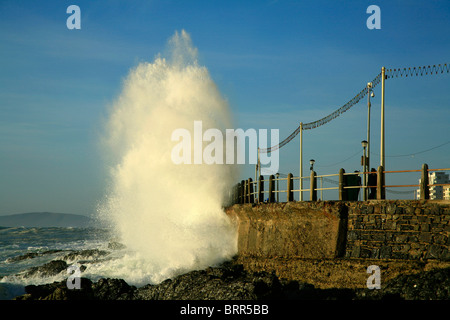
{"x": 45, "y": 219}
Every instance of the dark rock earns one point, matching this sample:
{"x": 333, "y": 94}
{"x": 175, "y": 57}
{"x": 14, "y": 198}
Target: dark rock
{"x": 85, "y": 254}
{"x": 116, "y": 245}
{"x": 49, "y": 269}
{"x": 103, "y": 289}
{"x": 112, "y": 289}
{"x": 430, "y": 285}
{"x": 26, "y": 256}
{"x": 208, "y": 284}
{"x": 231, "y": 282}
{"x": 31, "y": 255}
{"x": 58, "y": 291}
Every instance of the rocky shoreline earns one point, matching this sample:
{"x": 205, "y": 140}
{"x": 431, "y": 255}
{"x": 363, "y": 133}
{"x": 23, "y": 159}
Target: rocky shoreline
{"x": 230, "y": 281}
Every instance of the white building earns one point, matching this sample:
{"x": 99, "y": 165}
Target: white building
{"x": 446, "y": 192}
{"x": 437, "y": 192}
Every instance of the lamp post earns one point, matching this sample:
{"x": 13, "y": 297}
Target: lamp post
{"x": 364, "y": 143}
{"x": 311, "y": 162}
{"x": 300, "y": 179}
{"x": 382, "y": 137}
{"x": 369, "y": 95}
{"x": 382, "y": 140}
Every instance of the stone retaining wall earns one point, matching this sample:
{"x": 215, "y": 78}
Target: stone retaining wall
{"x": 376, "y": 229}
{"x": 313, "y": 230}
{"x": 399, "y": 230}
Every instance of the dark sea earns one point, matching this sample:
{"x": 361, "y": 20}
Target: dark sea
{"x": 24, "y": 249}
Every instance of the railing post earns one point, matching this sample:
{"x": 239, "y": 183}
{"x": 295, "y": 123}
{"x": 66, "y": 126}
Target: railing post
{"x": 321, "y": 188}
{"x": 242, "y": 192}
{"x": 250, "y": 191}
{"x": 313, "y": 187}
{"x": 246, "y": 191}
{"x": 424, "y": 190}
{"x": 290, "y": 187}
{"x": 342, "y": 192}
{"x": 261, "y": 189}
{"x": 272, "y": 188}
{"x": 380, "y": 183}
{"x": 238, "y": 192}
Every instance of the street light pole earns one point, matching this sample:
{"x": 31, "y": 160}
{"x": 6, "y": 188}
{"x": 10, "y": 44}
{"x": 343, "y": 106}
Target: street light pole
{"x": 369, "y": 94}
{"x": 301, "y": 163}
{"x": 383, "y": 77}
{"x": 382, "y": 142}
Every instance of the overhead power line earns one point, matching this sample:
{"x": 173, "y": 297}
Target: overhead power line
{"x": 414, "y": 153}
{"x": 336, "y": 163}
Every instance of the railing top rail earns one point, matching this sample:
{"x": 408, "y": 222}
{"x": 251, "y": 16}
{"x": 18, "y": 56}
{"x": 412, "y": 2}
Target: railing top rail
{"x": 329, "y": 188}
{"x": 445, "y": 169}
{"x": 328, "y": 175}
{"x": 279, "y": 179}
{"x": 402, "y": 185}
{"x": 401, "y": 171}
{"x": 354, "y": 173}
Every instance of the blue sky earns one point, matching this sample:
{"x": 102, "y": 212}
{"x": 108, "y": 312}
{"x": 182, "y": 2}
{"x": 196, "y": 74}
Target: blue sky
{"x": 276, "y": 62}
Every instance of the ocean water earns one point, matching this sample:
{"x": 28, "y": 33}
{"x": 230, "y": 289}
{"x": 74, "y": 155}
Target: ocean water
{"x": 22, "y": 249}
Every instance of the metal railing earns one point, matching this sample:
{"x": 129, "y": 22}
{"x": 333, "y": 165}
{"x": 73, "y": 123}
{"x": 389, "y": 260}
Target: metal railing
{"x": 349, "y": 186}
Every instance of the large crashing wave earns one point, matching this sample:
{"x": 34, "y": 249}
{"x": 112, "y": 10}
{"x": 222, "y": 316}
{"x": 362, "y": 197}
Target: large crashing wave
{"x": 170, "y": 217}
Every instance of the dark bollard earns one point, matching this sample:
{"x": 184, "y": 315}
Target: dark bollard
{"x": 245, "y": 191}
{"x": 342, "y": 191}
{"x": 242, "y": 192}
{"x": 424, "y": 190}
{"x": 380, "y": 184}
{"x": 313, "y": 187}
{"x": 272, "y": 188}
{"x": 261, "y": 189}
{"x": 290, "y": 187}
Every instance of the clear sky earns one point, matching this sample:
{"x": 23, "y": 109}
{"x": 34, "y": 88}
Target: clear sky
{"x": 276, "y": 62}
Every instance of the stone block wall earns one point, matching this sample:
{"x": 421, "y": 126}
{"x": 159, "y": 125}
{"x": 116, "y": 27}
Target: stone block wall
{"x": 401, "y": 229}
{"x": 310, "y": 230}
{"x": 375, "y": 229}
